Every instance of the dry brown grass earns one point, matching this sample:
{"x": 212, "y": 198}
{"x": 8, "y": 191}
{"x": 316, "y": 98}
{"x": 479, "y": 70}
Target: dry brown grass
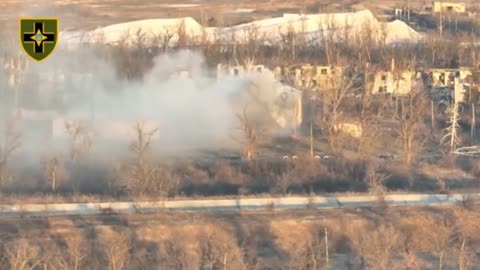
{"x": 413, "y": 236}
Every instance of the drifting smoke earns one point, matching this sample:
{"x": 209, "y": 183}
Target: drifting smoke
{"x": 189, "y": 113}
{"x": 179, "y": 96}
{"x": 190, "y": 109}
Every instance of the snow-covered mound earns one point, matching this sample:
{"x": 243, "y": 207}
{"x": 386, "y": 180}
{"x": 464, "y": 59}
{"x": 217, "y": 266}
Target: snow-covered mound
{"x": 316, "y": 25}
{"x": 341, "y": 26}
{"x": 147, "y": 30}
{"x": 398, "y": 31}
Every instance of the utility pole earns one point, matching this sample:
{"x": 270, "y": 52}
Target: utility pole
{"x": 441, "y": 18}
{"x": 311, "y": 139}
{"x": 472, "y": 131}
{"x": 408, "y": 11}
{"x": 327, "y": 260}
{"x": 311, "y": 126}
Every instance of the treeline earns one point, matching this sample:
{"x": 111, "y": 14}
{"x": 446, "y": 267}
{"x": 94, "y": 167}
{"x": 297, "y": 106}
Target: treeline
{"x": 332, "y": 48}
{"x": 383, "y": 239}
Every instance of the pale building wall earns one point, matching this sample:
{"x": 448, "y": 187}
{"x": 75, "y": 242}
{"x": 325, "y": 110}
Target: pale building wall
{"x": 390, "y": 83}
{"x": 239, "y": 70}
{"x": 317, "y": 77}
{"x": 459, "y": 91}
{"x": 354, "y": 130}
{"x": 446, "y": 77}
{"x": 445, "y": 7}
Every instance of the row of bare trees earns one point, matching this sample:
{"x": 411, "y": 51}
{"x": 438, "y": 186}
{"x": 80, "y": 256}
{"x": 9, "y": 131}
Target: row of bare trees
{"x": 331, "y": 46}
{"x": 421, "y": 241}
{"x": 143, "y": 174}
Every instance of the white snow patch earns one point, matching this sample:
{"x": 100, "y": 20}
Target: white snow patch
{"x": 241, "y": 10}
{"x": 150, "y": 29}
{"x": 100, "y": 6}
{"x": 179, "y": 5}
{"x": 398, "y": 31}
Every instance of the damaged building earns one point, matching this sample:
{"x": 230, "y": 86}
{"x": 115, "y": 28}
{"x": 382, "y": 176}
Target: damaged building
{"x": 309, "y": 77}
{"x": 449, "y": 7}
{"x": 238, "y": 70}
{"x": 267, "y": 97}
{"x": 449, "y": 84}
{"x": 395, "y": 83}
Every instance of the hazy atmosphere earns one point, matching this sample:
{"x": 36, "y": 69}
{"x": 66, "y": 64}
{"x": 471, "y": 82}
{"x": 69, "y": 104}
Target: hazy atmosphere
{"x": 248, "y": 135}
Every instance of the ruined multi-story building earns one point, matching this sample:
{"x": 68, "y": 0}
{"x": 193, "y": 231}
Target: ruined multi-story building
{"x": 449, "y": 84}
{"x": 238, "y": 70}
{"x": 310, "y": 77}
{"x": 446, "y": 77}
{"x": 395, "y": 83}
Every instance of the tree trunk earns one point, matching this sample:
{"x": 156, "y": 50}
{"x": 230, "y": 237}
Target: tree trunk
{"x": 433, "y": 116}
{"x": 472, "y": 131}
{"x": 440, "y": 260}
{"x": 327, "y": 260}
{"x": 54, "y": 180}
{"x": 311, "y": 140}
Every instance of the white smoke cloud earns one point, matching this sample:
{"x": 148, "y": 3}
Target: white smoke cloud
{"x": 190, "y": 113}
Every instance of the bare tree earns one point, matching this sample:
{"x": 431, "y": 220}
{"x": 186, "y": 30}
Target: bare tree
{"x": 440, "y": 235}
{"x": 333, "y": 99}
{"x": 182, "y": 35}
{"x": 175, "y": 257}
{"x": 376, "y": 181}
{"x": 249, "y": 134}
{"x": 22, "y": 255}
{"x": 464, "y": 255}
{"x": 164, "y": 39}
{"x": 143, "y": 176}
{"x": 75, "y": 253}
{"x": 54, "y": 172}
{"x": 81, "y": 139}
{"x": 312, "y": 254}
{"x": 138, "y": 176}
{"x": 376, "y": 247}
{"x": 290, "y": 42}
{"x": 142, "y": 144}
{"x": 219, "y": 252}
{"x": 8, "y": 145}
{"x": 116, "y": 248}
{"x": 411, "y": 124}
{"x": 452, "y": 130}
{"x": 409, "y": 254}
{"x": 330, "y": 38}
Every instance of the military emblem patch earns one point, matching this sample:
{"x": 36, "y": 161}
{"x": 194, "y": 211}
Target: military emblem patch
{"x": 38, "y": 36}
